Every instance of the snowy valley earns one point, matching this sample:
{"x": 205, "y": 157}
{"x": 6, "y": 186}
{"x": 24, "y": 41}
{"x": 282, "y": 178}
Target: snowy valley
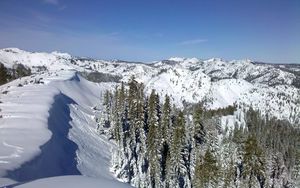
{"x": 52, "y": 121}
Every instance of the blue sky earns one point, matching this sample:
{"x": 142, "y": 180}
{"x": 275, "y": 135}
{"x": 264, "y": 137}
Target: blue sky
{"x": 146, "y": 30}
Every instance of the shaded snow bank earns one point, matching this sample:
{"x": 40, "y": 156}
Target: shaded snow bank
{"x": 94, "y": 150}
{"x": 73, "y": 182}
{"x": 23, "y": 126}
{"x": 58, "y": 155}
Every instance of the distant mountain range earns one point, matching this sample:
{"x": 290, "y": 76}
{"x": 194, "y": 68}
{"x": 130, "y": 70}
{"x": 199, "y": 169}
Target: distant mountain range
{"x": 272, "y": 88}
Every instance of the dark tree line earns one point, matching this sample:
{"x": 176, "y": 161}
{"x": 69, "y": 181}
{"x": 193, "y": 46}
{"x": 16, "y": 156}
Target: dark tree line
{"x": 162, "y": 146}
{"x": 17, "y": 71}
{"x": 4, "y": 75}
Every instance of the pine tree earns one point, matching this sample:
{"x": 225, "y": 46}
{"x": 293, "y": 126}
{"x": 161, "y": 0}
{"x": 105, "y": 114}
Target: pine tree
{"x": 116, "y": 116}
{"x": 133, "y": 114}
{"x": 152, "y": 140}
{"x": 108, "y": 114}
{"x": 296, "y": 173}
{"x": 166, "y": 119}
{"x": 176, "y": 159}
{"x": 4, "y": 76}
{"x": 277, "y": 171}
{"x": 118, "y": 156}
{"x": 229, "y": 175}
{"x": 121, "y": 114}
{"x": 135, "y": 140}
{"x": 254, "y": 163}
{"x": 199, "y": 128}
{"x": 206, "y": 172}
{"x": 165, "y": 150}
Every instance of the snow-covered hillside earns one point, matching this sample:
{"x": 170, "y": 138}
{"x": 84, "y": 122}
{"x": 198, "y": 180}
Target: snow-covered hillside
{"x": 217, "y": 83}
{"x": 48, "y": 128}
{"x": 47, "y": 120}
{"x": 74, "y": 182}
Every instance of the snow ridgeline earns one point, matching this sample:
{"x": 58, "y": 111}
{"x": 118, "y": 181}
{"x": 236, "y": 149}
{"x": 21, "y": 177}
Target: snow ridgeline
{"x": 48, "y": 129}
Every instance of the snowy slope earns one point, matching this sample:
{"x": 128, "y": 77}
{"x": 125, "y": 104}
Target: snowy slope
{"x": 73, "y": 182}
{"x": 50, "y": 129}
{"x": 22, "y": 118}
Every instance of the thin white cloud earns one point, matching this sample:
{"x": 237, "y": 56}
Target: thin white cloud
{"x": 56, "y": 3}
{"x": 194, "y": 41}
{"x": 52, "y": 2}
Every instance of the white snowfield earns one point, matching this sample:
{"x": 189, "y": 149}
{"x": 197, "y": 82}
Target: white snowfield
{"x": 47, "y": 120}
{"x": 50, "y": 130}
{"x": 73, "y": 182}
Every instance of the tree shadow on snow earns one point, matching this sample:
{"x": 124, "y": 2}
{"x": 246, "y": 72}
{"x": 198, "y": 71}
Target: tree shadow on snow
{"x": 58, "y": 155}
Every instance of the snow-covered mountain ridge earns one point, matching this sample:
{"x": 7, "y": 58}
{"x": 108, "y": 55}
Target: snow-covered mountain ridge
{"x": 270, "y": 88}
{"x": 54, "y": 110}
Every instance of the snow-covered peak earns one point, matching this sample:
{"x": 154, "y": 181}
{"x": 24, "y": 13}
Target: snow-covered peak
{"x": 177, "y": 59}
{"x": 241, "y": 61}
{"x": 184, "y": 60}
{"x": 212, "y": 60}
{"x": 13, "y": 50}
{"x": 52, "y": 61}
{"x": 191, "y": 61}
{"x": 61, "y": 54}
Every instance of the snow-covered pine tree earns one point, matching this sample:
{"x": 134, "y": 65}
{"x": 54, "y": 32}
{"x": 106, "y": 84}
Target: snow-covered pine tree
{"x": 133, "y": 120}
{"x": 253, "y": 164}
{"x": 177, "y": 169}
{"x": 166, "y": 119}
{"x": 107, "y": 106}
{"x": 176, "y": 149}
{"x": 277, "y": 171}
{"x": 116, "y": 115}
{"x": 206, "y": 171}
{"x": 105, "y": 124}
{"x": 229, "y": 174}
{"x": 198, "y": 126}
{"x": 153, "y": 142}
{"x": 165, "y": 147}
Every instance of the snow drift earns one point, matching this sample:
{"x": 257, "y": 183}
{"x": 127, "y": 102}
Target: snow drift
{"x": 50, "y": 129}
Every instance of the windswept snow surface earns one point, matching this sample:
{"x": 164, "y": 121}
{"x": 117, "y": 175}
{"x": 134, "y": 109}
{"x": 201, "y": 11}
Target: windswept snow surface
{"x": 74, "y": 182}
{"x": 48, "y": 128}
